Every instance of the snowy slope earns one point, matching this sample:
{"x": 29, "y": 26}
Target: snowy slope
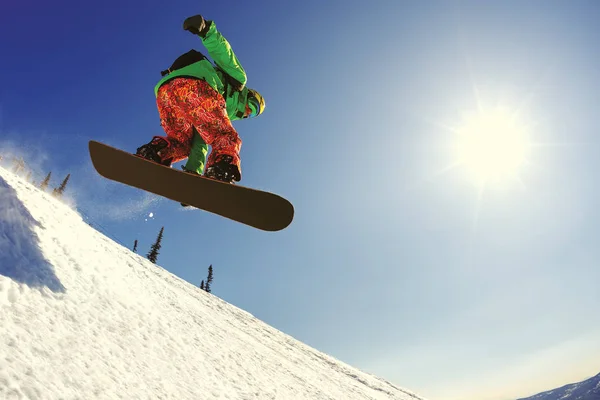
{"x": 82, "y": 317}
{"x": 585, "y": 390}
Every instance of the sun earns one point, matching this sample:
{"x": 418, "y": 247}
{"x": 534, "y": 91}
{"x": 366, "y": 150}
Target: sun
{"x": 492, "y": 145}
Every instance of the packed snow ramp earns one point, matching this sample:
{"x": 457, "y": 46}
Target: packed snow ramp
{"x": 82, "y": 317}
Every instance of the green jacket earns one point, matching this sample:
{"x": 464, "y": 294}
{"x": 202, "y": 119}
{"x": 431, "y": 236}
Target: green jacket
{"x": 222, "y": 54}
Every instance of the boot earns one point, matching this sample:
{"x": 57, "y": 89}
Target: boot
{"x": 152, "y": 150}
{"x": 224, "y": 171}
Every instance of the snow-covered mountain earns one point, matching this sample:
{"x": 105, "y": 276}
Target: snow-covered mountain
{"x": 82, "y": 317}
{"x": 584, "y": 390}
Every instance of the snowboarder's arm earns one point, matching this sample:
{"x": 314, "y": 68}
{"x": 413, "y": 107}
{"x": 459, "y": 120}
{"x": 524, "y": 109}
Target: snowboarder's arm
{"x": 220, "y": 50}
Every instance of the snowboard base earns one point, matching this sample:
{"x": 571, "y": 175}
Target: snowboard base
{"x": 260, "y": 209}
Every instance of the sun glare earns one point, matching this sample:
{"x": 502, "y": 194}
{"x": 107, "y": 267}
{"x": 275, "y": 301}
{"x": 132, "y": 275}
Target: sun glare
{"x": 492, "y": 146}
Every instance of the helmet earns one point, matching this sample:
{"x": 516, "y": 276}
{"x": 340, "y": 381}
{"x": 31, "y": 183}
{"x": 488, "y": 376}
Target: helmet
{"x": 256, "y": 102}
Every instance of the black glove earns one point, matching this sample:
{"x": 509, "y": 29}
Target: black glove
{"x": 197, "y": 25}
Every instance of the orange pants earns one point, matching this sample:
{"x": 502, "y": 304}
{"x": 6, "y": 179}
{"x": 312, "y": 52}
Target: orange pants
{"x": 185, "y": 103}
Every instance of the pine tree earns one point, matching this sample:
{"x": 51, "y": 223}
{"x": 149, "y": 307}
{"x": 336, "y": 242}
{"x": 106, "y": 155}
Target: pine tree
{"x": 202, "y": 285}
{"x": 209, "y": 279}
{"x": 45, "y": 182}
{"x": 59, "y": 191}
{"x": 153, "y": 254}
{"x": 135, "y": 246}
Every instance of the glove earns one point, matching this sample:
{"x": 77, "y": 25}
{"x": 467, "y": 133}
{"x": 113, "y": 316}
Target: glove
{"x": 196, "y": 25}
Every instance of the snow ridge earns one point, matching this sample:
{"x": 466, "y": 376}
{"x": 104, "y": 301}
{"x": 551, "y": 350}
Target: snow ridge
{"x": 21, "y": 257}
{"x": 588, "y": 389}
{"x": 83, "y": 317}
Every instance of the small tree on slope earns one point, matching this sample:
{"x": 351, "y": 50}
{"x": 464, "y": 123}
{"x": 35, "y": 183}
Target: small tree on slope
{"x": 45, "y": 182}
{"x": 209, "y": 279}
{"x": 153, "y": 254}
{"x": 59, "y": 191}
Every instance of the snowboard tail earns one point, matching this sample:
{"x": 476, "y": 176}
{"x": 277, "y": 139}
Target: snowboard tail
{"x": 259, "y": 209}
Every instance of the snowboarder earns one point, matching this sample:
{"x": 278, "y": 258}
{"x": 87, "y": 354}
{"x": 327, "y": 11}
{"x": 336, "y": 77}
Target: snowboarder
{"x": 197, "y": 101}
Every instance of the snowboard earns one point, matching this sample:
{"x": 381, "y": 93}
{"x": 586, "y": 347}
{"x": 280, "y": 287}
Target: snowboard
{"x": 256, "y": 208}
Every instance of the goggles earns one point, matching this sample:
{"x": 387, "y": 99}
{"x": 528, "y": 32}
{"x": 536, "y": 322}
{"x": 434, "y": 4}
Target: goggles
{"x": 251, "y": 108}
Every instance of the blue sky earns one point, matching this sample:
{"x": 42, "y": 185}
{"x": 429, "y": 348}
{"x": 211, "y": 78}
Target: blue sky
{"x": 394, "y": 263}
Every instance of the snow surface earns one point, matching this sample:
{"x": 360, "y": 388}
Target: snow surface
{"x": 82, "y": 317}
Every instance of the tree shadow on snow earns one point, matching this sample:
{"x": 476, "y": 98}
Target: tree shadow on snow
{"x": 21, "y": 258}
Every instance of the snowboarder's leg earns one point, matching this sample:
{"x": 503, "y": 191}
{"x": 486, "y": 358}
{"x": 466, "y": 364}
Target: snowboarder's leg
{"x": 174, "y": 121}
{"x": 176, "y": 146}
{"x": 197, "y": 158}
{"x": 209, "y": 116}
